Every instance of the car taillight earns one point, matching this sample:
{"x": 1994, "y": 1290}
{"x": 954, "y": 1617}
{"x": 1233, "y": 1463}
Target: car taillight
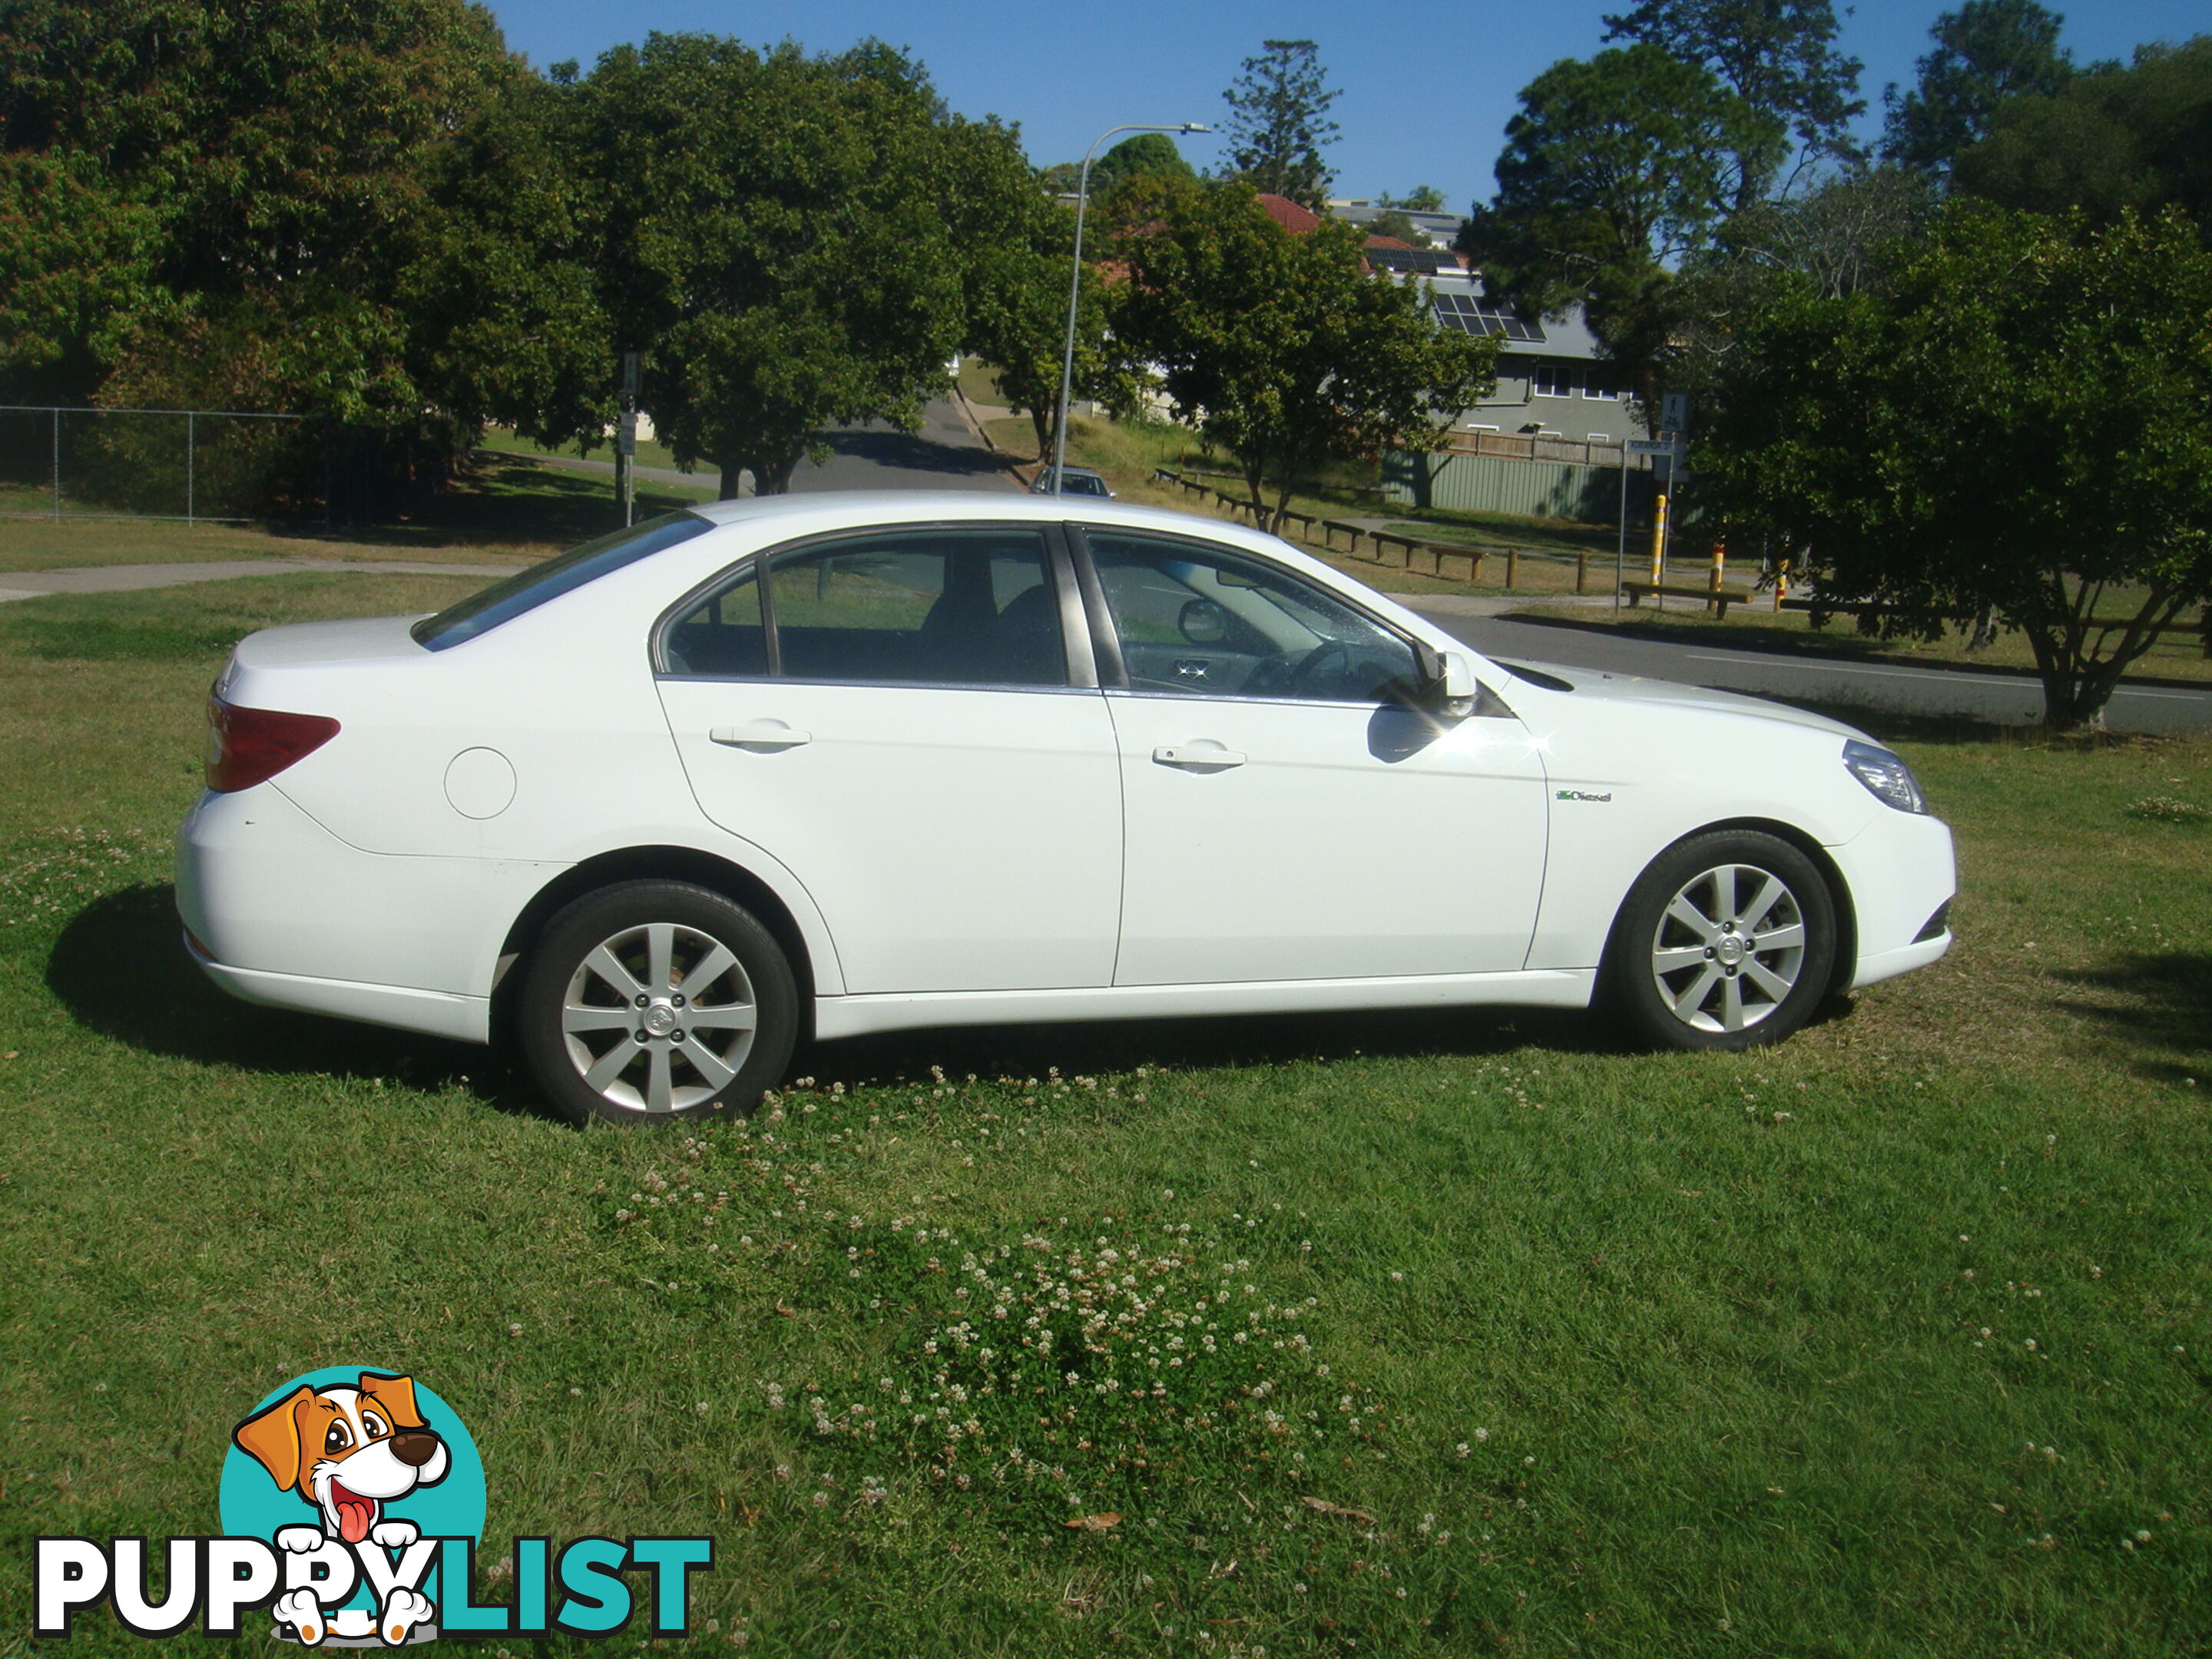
{"x": 246, "y": 746}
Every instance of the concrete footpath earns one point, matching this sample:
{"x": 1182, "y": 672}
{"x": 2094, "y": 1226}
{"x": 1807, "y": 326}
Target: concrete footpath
{"x": 125, "y": 578}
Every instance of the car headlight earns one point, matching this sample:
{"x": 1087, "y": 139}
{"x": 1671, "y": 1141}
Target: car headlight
{"x": 1889, "y": 778}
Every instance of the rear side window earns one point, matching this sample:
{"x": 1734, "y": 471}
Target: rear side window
{"x": 920, "y": 607}
{"x": 526, "y": 590}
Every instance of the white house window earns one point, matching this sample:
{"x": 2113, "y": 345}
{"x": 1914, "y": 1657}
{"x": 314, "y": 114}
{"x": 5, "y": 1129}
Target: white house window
{"x": 1597, "y": 437}
{"x": 1549, "y": 380}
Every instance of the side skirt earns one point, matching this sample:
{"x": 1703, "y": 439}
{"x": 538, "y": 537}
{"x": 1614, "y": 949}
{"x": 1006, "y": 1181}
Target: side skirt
{"x": 857, "y": 1016}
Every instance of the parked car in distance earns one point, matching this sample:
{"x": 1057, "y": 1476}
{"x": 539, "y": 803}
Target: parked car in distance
{"x": 825, "y": 763}
{"x": 1074, "y": 481}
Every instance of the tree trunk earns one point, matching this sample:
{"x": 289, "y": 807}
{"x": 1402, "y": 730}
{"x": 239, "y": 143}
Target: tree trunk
{"x": 774, "y": 477}
{"x": 1042, "y": 420}
{"x": 732, "y": 469}
{"x": 1255, "y": 484}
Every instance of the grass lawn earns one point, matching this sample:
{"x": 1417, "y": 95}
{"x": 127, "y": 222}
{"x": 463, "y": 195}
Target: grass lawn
{"x": 506, "y": 507}
{"x": 1893, "y": 1342}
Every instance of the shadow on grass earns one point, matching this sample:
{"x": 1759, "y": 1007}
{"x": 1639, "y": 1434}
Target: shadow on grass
{"x": 120, "y": 968}
{"x": 1240, "y": 1040}
{"x": 906, "y": 452}
{"x": 130, "y": 939}
{"x": 2167, "y": 1005}
{"x": 503, "y": 500}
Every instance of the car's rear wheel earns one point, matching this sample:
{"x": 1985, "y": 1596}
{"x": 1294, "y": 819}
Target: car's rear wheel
{"x": 656, "y": 1000}
{"x": 1727, "y": 941}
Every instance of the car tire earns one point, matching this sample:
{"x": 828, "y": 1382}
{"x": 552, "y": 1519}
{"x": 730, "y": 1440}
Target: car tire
{"x": 616, "y": 1021}
{"x": 1727, "y": 941}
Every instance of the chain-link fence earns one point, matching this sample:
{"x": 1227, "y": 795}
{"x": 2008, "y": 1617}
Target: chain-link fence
{"x": 194, "y": 464}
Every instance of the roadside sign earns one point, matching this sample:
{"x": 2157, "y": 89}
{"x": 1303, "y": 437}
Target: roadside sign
{"x": 1655, "y": 446}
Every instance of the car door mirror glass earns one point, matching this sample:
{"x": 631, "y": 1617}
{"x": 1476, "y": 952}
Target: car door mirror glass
{"x": 1203, "y": 623}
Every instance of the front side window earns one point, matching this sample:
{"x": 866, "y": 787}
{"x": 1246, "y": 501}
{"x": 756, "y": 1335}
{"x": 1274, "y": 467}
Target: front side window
{"x": 1204, "y": 622}
{"x": 526, "y": 590}
{"x": 930, "y": 607}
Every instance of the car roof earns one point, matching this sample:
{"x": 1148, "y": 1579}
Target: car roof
{"x": 861, "y": 507}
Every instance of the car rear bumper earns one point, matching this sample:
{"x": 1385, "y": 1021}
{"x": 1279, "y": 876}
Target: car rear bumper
{"x": 434, "y": 1014}
{"x": 279, "y": 911}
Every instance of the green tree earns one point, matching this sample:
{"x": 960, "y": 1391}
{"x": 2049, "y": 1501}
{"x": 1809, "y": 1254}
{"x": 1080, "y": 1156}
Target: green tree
{"x": 1422, "y": 198}
{"x": 2022, "y": 421}
{"x": 1986, "y": 52}
{"x": 1779, "y": 55}
{"x": 504, "y": 320}
{"x": 1283, "y": 349}
{"x": 298, "y": 204}
{"x": 2110, "y": 140}
{"x": 76, "y": 267}
{"x": 1019, "y": 265}
{"x": 1279, "y": 122}
{"x": 1394, "y": 222}
{"x": 1843, "y": 236}
{"x": 1018, "y": 323}
{"x": 1136, "y": 157}
{"x": 785, "y": 238}
{"x": 1617, "y": 169}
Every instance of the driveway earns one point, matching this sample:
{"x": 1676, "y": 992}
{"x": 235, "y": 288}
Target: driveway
{"x": 2004, "y": 699}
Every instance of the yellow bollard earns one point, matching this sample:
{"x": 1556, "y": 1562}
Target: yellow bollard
{"x": 1720, "y": 564}
{"x": 1659, "y": 539}
{"x": 1781, "y": 583}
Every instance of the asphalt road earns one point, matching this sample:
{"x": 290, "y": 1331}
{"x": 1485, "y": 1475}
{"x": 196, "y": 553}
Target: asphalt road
{"x": 944, "y": 454}
{"x": 2004, "y": 699}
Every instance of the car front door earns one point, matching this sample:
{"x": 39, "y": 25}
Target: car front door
{"x": 897, "y": 717}
{"x": 1288, "y": 814}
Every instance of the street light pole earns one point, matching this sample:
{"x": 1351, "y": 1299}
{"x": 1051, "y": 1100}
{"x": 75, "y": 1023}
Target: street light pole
{"x": 1075, "y": 281}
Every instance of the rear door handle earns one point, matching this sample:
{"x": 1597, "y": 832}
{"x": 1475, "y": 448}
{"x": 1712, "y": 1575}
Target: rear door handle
{"x": 1202, "y": 755}
{"x": 764, "y": 734}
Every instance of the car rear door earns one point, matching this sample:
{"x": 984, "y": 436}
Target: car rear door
{"x": 898, "y": 716}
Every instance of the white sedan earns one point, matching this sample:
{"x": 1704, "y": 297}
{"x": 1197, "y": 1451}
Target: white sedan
{"x": 834, "y": 764}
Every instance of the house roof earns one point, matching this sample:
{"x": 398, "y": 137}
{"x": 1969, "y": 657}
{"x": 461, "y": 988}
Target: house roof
{"x": 1288, "y": 214}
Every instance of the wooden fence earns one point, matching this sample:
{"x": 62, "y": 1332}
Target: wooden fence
{"x": 1448, "y": 561}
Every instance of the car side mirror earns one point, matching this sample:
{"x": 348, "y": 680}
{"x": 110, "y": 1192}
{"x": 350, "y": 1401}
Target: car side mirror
{"x": 1451, "y": 689}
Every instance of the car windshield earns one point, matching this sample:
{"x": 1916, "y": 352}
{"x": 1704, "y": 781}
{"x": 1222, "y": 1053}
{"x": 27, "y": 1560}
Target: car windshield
{"x": 526, "y": 590}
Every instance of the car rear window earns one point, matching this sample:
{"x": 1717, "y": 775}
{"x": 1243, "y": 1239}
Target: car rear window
{"x": 526, "y": 590}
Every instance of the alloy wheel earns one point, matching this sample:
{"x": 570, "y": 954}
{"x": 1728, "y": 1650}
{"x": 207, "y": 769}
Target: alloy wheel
{"x": 659, "y": 1018}
{"x": 1729, "y": 948}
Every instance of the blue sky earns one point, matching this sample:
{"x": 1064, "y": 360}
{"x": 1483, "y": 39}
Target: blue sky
{"x": 1427, "y": 89}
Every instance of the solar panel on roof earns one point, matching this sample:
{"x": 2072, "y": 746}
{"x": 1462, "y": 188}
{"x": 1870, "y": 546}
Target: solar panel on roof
{"x": 1470, "y": 315}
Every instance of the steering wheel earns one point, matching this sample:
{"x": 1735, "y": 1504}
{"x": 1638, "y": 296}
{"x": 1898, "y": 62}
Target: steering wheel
{"x": 1283, "y": 674}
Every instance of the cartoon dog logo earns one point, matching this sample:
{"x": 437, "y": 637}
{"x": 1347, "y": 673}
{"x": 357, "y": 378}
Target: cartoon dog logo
{"x": 348, "y": 1452}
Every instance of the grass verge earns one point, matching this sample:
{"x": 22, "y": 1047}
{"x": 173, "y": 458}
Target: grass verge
{"x": 1895, "y": 1340}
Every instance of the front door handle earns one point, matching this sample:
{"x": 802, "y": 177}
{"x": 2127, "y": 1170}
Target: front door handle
{"x": 764, "y": 736}
{"x": 1200, "y": 755}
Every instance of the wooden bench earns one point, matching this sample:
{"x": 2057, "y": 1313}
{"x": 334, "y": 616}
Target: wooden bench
{"x": 1721, "y": 597}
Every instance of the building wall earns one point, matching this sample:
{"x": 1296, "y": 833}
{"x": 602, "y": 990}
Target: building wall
{"x": 1609, "y": 417}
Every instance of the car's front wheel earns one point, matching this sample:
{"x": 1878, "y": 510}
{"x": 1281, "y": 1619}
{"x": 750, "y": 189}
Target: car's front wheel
{"x": 656, "y": 1000}
{"x": 1727, "y": 941}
